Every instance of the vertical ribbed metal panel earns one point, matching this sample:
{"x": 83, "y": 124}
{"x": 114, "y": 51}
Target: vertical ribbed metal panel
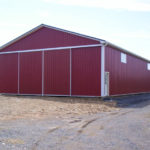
{"x": 57, "y": 72}
{"x": 132, "y": 77}
{"x": 86, "y": 66}
{"x": 31, "y": 73}
{"x": 49, "y": 38}
{"x": 9, "y": 73}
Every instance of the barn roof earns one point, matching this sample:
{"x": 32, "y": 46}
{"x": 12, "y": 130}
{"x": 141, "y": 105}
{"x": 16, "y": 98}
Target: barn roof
{"x": 51, "y": 27}
{"x": 74, "y": 33}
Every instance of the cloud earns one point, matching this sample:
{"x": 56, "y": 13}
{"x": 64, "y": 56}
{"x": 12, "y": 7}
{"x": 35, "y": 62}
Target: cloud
{"x": 130, "y": 5}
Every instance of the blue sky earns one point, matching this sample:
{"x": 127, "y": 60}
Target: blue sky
{"x": 124, "y": 23}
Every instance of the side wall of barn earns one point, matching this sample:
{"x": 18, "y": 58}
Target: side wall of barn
{"x": 125, "y": 78}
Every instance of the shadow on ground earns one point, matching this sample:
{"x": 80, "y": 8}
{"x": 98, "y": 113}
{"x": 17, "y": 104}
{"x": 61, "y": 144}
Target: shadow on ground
{"x": 131, "y": 100}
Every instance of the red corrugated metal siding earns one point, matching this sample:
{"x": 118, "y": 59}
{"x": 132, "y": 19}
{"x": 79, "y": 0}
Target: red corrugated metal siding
{"x": 132, "y": 77}
{"x": 57, "y": 72}
{"x": 86, "y": 71}
{"x": 9, "y": 73}
{"x": 31, "y": 73}
{"x": 48, "y": 38}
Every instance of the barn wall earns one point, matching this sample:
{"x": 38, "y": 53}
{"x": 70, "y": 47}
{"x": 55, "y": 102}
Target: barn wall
{"x": 57, "y": 72}
{"x": 132, "y": 77}
{"x": 49, "y": 38}
{"x": 30, "y": 73}
{"x": 9, "y": 73}
{"x": 86, "y": 66}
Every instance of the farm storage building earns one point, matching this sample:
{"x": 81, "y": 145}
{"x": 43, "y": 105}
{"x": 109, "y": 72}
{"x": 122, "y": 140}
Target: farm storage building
{"x": 53, "y": 61}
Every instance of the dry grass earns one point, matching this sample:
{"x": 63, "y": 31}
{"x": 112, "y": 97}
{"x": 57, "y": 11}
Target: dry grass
{"x": 15, "y": 107}
{"x": 13, "y": 141}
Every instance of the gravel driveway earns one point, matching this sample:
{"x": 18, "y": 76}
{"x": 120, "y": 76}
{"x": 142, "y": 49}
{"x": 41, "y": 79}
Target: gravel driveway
{"x": 119, "y": 129}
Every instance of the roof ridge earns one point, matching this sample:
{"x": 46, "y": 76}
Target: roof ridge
{"x": 47, "y": 26}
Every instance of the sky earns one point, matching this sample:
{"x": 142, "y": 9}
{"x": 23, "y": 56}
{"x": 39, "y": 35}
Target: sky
{"x": 124, "y": 23}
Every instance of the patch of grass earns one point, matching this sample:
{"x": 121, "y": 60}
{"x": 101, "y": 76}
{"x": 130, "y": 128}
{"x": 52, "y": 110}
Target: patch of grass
{"x": 14, "y": 141}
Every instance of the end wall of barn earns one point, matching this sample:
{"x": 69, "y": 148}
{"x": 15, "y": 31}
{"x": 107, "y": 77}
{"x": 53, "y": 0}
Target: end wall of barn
{"x": 63, "y": 72}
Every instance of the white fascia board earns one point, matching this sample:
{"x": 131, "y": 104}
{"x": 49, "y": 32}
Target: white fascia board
{"x": 126, "y": 51}
{"x": 21, "y": 36}
{"x": 75, "y": 33}
{"x": 49, "y": 49}
{"x": 51, "y": 27}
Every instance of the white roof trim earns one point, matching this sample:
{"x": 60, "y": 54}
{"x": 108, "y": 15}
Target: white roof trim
{"x": 51, "y": 27}
{"x": 20, "y": 37}
{"x": 78, "y": 34}
{"x": 49, "y": 49}
{"x": 126, "y": 51}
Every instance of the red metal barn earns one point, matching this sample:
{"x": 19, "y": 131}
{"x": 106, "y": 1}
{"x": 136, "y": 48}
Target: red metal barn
{"x": 53, "y": 61}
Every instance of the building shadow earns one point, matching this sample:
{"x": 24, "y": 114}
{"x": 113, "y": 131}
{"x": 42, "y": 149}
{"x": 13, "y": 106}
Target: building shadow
{"x": 131, "y": 101}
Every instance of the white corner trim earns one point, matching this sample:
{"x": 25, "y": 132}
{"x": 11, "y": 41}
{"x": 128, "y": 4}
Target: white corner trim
{"x": 102, "y": 70}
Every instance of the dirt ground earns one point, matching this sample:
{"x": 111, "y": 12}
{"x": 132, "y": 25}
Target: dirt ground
{"x": 15, "y": 107}
{"x": 53, "y": 123}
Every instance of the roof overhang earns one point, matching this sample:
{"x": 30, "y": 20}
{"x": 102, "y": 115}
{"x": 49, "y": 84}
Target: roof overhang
{"x": 51, "y": 27}
{"x": 74, "y": 33}
{"x": 125, "y": 51}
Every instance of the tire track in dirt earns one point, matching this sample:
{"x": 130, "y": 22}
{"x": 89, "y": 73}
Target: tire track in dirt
{"x": 83, "y": 126}
{"x": 86, "y": 124}
{"x": 36, "y": 144}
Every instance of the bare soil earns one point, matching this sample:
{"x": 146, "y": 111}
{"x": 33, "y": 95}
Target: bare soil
{"x": 15, "y": 107}
{"x": 61, "y": 123}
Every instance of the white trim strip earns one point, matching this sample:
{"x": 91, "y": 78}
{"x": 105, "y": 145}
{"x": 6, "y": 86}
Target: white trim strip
{"x": 21, "y": 36}
{"x": 102, "y": 70}
{"x": 83, "y": 96}
{"x": 50, "y": 27}
{"x": 126, "y": 51}
{"x": 21, "y": 94}
{"x": 69, "y": 95}
{"x": 74, "y": 33}
{"x": 70, "y": 72}
{"x": 48, "y": 49}
{"x": 42, "y": 73}
{"x": 78, "y": 96}
{"x": 55, "y": 95}
{"x": 29, "y": 94}
{"x": 18, "y": 73}
{"x": 74, "y": 95}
